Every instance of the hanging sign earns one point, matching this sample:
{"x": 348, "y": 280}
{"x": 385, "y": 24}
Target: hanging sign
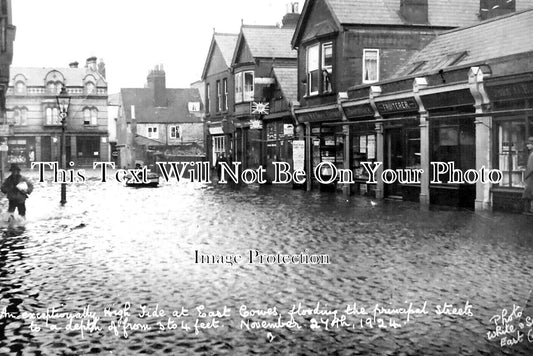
{"x": 260, "y": 108}
{"x": 256, "y": 124}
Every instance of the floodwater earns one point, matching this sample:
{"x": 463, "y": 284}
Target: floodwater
{"x": 114, "y": 247}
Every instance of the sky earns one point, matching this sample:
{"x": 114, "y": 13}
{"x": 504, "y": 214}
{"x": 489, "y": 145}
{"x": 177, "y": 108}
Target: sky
{"x": 132, "y": 36}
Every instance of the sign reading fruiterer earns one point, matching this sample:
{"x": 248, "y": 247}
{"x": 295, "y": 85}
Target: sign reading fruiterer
{"x": 298, "y": 154}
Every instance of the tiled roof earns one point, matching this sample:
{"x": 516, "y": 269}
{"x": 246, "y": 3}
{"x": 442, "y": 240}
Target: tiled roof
{"x": 176, "y": 111}
{"x": 269, "y": 41}
{"x": 499, "y": 37}
{"x": 73, "y": 76}
{"x": 226, "y": 43}
{"x": 287, "y": 80}
{"x": 446, "y": 13}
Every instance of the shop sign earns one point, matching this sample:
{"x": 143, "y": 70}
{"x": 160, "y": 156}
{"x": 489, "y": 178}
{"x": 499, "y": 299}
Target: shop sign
{"x": 448, "y": 99}
{"x": 319, "y": 116}
{"x": 288, "y": 129}
{"x": 511, "y": 91}
{"x": 298, "y": 154}
{"x": 256, "y": 124}
{"x": 358, "y": 111}
{"x": 217, "y": 130}
{"x": 393, "y": 106}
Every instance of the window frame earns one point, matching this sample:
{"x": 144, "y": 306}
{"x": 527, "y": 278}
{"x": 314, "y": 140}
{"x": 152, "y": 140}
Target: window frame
{"x": 365, "y": 51}
{"x": 317, "y": 70}
{"x": 238, "y": 87}
{"x": 242, "y": 95}
{"x": 177, "y": 132}
{"x": 219, "y": 96}
{"x": 152, "y": 132}
{"x": 207, "y": 98}
{"x": 225, "y": 94}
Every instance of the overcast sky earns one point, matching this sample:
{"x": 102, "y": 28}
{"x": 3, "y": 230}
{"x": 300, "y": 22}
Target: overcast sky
{"x": 132, "y": 36}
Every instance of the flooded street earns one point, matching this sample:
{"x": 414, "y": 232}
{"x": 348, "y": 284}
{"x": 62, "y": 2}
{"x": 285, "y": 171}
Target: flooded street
{"x": 112, "y": 245}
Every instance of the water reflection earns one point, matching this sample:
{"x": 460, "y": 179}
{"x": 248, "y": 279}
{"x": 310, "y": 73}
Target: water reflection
{"x": 111, "y": 245}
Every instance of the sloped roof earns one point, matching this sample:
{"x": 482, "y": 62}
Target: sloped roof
{"x": 447, "y": 13}
{"x": 226, "y": 44}
{"x": 145, "y": 112}
{"x": 73, "y": 76}
{"x": 498, "y": 37}
{"x": 268, "y": 41}
{"x": 145, "y": 141}
{"x": 287, "y": 78}
{"x": 113, "y": 99}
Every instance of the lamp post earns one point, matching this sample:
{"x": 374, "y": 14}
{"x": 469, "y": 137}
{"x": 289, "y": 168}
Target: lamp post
{"x": 63, "y": 102}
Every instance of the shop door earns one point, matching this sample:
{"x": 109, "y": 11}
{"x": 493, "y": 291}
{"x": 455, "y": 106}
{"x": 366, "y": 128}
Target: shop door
{"x": 394, "y": 159}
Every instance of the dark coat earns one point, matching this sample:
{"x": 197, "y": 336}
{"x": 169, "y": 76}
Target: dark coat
{"x": 10, "y": 188}
{"x": 528, "y": 192}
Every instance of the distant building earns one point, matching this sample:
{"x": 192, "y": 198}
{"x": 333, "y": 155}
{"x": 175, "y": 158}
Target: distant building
{"x": 7, "y": 36}
{"x": 35, "y": 127}
{"x": 113, "y": 111}
{"x": 157, "y": 123}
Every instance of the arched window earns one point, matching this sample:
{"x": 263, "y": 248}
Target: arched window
{"x": 90, "y": 88}
{"x": 20, "y": 88}
{"x": 52, "y": 116}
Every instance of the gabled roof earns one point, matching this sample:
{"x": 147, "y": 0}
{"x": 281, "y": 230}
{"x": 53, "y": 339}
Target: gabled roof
{"x": 495, "y": 38}
{"x": 73, "y": 76}
{"x": 441, "y": 13}
{"x": 266, "y": 42}
{"x": 226, "y": 44}
{"x": 176, "y": 111}
{"x": 287, "y": 78}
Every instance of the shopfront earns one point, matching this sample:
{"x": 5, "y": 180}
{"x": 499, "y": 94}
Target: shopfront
{"x": 21, "y": 150}
{"x": 512, "y": 102}
{"x": 278, "y": 143}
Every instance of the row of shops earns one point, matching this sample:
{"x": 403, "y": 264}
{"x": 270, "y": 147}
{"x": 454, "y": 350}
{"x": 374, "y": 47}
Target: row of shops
{"x": 475, "y": 120}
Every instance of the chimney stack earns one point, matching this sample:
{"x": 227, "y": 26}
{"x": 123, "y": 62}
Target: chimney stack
{"x": 157, "y": 82}
{"x": 414, "y": 11}
{"x": 101, "y": 67}
{"x": 493, "y": 8}
{"x": 73, "y": 65}
{"x": 91, "y": 64}
{"x": 290, "y": 20}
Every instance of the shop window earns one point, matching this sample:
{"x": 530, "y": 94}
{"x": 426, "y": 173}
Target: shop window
{"x": 52, "y": 116}
{"x": 511, "y": 150}
{"x": 364, "y": 150}
{"x": 88, "y": 147}
{"x": 370, "y": 65}
{"x": 152, "y": 131}
{"x": 413, "y": 148}
{"x": 175, "y": 132}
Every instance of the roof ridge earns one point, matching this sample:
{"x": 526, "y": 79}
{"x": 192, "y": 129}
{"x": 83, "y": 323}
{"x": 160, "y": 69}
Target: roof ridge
{"x": 225, "y": 34}
{"x": 484, "y": 22}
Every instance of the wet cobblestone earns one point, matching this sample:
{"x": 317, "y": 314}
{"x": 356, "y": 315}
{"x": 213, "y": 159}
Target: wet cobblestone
{"x": 112, "y": 244}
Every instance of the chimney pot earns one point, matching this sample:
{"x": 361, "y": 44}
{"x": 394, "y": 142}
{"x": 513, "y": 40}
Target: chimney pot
{"x": 91, "y": 63}
{"x": 73, "y": 65}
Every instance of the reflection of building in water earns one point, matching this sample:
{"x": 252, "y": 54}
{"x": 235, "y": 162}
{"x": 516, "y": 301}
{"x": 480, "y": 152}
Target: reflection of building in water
{"x": 35, "y": 127}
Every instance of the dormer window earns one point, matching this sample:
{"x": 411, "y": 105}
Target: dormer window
{"x": 90, "y": 88}
{"x": 20, "y": 88}
{"x": 53, "y": 87}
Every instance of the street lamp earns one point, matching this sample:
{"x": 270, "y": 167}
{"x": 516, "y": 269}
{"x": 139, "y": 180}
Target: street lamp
{"x": 63, "y": 102}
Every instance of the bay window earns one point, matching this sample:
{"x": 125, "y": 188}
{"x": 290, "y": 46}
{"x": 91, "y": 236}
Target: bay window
{"x": 319, "y": 70}
{"x": 244, "y": 86}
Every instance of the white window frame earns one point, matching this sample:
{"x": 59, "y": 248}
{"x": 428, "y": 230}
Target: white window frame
{"x": 248, "y": 95}
{"x": 309, "y": 71}
{"x": 51, "y": 115}
{"x": 219, "y": 96}
{"x": 207, "y": 98}
{"x": 327, "y": 68}
{"x": 225, "y": 90}
{"x": 238, "y": 87}
{"x": 365, "y": 51}
{"x": 151, "y": 131}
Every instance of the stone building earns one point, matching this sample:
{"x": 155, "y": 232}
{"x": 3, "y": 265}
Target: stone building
{"x": 32, "y": 114}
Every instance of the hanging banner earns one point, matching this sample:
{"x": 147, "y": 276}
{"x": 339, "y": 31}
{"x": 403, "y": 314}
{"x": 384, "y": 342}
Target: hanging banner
{"x": 298, "y": 154}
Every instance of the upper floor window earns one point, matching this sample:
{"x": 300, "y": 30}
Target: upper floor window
{"x": 319, "y": 59}
{"x": 90, "y": 116}
{"x": 152, "y": 131}
{"x": 20, "y": 116}
{"x": 370, "y": 65}
{"x": 207, "y": 98}
{"x": 244, "y": 86}
{"x": 53, "y": 87}
{"x": 175, "y": 132}
{"x": 52, "y": 116}
{"x": 219, "y": 96}
{"x": 225, "y": 97}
